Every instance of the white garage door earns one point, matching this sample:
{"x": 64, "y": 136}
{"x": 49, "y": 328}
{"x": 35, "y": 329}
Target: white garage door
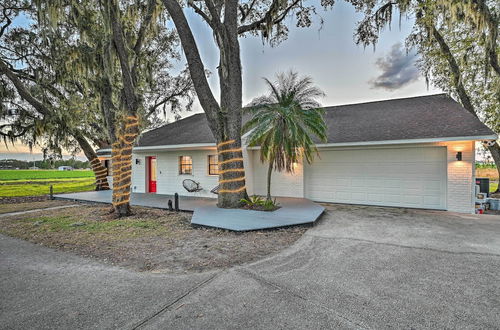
{"x": 405, "y": 177}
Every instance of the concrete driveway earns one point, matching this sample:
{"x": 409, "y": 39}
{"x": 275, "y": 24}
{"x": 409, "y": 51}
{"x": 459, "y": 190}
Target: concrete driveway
{"x": 360, "y": 267}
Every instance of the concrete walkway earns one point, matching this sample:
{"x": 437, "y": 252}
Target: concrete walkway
{"x": 293, "y": 211}
{"x": 37, "y": 210}
{"x": 360, "y": 267}
{"x": 186, "y": 203}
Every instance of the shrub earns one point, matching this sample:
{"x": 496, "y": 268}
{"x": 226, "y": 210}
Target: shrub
{"x": 258, "y": 203}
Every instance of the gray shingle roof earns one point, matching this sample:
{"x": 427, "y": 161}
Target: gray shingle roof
{"x": 423, "y": 117}
{"x": 189, "y": 130}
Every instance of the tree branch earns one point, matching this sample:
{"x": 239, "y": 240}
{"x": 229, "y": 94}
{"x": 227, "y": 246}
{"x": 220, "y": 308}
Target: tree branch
{"x": 8, "y": 19}
{"x": 123, "y": 56}
{"x": 23, "y": 91}
{"x": 244, "y": 14}
{"x": 200, "y": 12}
{"x": 196, "y": 67}
{"x": 142, "y": 34}
{"x": 166, "y": 99}
{"x": 455, "y": 70}
{"x": 268, "y": 17}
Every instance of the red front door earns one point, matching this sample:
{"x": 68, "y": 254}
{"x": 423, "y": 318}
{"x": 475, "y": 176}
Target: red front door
{"x": 152, "y": 174}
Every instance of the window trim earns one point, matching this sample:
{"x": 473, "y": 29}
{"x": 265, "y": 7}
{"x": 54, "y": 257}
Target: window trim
{"x": 181, "y": 165}
{"x": 208, "y": 165}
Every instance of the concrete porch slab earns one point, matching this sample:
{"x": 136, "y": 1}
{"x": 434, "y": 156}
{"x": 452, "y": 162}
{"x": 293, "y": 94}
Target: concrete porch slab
{"x": 186, "y": 203}
{"x": 293, "y": 211}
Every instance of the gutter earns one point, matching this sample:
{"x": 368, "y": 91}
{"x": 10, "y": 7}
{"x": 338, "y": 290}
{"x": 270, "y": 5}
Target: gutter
{"x": 325, "y": 145}
{"x": 406, "y": 141}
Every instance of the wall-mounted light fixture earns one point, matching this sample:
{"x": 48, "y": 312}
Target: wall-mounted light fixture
{"x": 459, "y": 156}
{"x": 138, "y": 161}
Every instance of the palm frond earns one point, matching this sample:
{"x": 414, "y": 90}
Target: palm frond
{"x": 285, "y": 121}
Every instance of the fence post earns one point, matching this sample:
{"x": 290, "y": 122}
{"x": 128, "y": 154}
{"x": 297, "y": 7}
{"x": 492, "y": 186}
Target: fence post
{"x": 170, "y": 208}
{"x": 176, "y": 202}
{"x": 51, "y": 192}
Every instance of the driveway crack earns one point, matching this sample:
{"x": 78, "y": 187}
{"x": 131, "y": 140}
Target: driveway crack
{"x": 166, "y": 307}
{"x": 291, "y": 293}
{"x": 486, "y": 254}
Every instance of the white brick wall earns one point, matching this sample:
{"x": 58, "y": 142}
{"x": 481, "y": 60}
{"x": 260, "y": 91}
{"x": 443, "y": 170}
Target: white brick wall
{"x": 169, "y": 181}
{"x": 460, "y": 176}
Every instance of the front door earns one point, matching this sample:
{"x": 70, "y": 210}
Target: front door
{"x": 152, "y": 174}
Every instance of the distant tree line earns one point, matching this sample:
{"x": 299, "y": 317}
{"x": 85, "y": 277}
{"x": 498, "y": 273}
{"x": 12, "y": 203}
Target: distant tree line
{"x": 485, "y": 165}
{"x": 42, "y": 164}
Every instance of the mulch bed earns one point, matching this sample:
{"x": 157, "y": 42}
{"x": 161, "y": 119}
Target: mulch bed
{"x": 150, "y": 240}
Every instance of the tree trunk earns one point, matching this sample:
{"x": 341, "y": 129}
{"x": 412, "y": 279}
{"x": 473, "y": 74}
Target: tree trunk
{"x": 122, "y": 166}
{"x": 269, "y": 175}
{"x": 224, "y": 119}
{"x": 124, "y": 141}
{"x": 231, "y": 174}
{"x": 495, "y": 153}
{"x": 230, "y": 80}
{"x": 100, "y": 172}
{"x": 461, "y": 91}
{"x": 455, "y": 71}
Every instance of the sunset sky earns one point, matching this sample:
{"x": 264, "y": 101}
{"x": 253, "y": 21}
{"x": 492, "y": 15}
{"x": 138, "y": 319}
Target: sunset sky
{"x": 347, "y": 73}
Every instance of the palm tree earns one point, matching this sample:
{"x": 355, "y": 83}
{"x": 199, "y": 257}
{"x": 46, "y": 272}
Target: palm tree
{"x": 284, "y": 122}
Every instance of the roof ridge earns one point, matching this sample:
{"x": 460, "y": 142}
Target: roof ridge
{"x": 386, "y": 100}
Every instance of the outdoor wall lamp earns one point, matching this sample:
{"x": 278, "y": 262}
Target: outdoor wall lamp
{"x": 137, "y": 161}
{"x": 459, "y": 156}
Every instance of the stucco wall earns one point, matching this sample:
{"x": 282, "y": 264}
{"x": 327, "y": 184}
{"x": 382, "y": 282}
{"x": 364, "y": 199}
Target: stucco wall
{"x": 282, "y": 183}
{"x": 169, "y": 181}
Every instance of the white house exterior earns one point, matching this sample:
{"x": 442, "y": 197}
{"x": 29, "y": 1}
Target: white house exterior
{"x": 412, "y": 162}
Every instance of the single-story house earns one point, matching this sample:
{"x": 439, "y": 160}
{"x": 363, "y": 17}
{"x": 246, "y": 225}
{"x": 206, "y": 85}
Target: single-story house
{"x": 416, "y": 152}
{"x": 65, "y": 168}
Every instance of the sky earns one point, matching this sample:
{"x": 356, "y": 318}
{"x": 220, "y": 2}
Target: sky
{"x": 346, "y": 72}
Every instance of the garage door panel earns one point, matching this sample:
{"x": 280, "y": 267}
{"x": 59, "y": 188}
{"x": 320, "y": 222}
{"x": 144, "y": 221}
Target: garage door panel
{"x": 342, "y": 182}
{"x": 358, "y": 183}
{"x": 430, "y": 200}
{"x": 392, "y": 198}
{"x": 432, "y": 185}
{"x": 413, "y": 200}
{"x": 376, "y": 198}
{"x": 393, "y": 183}
{"x": 408, "y": 177}
{"x": 358, "y": 196}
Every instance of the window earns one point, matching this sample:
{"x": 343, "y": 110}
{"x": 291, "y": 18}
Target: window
{"x": 213, "y": 165}
{"x": 185, "y": 165}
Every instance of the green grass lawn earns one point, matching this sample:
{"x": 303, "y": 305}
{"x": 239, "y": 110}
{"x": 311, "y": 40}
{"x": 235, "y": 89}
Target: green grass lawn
{"x": 43, "y": 174}
{"x": 17, "y": 183}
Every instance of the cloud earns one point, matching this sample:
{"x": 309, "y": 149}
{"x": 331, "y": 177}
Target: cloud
{"x": 398, "y": 69}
